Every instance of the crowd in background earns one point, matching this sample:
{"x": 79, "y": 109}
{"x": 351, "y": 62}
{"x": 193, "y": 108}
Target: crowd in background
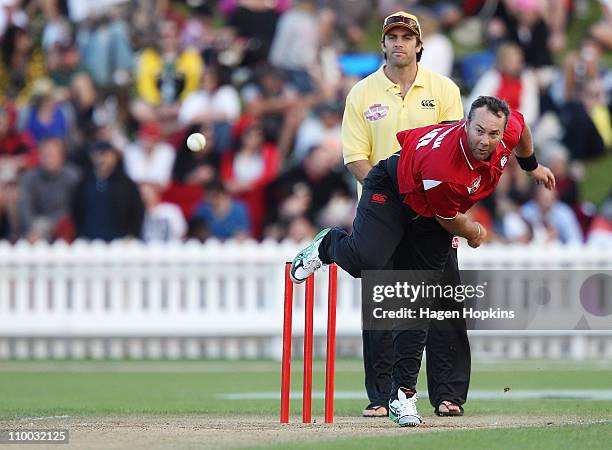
{"x": 97, "y": 99}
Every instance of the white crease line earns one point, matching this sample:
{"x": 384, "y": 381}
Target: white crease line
{"x": 574, "y": 394}
{"x": 45, "y": 417}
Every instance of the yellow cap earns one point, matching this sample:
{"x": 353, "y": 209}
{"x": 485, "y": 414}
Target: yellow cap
{"x": 402, "y": 19}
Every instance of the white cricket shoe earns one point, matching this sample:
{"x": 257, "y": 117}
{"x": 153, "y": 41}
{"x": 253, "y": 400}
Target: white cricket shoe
{"x": 403, "y": 410}
{"x": 307, "y": 261}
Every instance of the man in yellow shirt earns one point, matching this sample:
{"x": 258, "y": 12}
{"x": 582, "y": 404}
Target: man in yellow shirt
{"x": 400, "y": 95}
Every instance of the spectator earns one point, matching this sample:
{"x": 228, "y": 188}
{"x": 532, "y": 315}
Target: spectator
{"x": 12, "y": 14}
{"x": 248, "y": 171}
{"x": 594, "y": 101}
{"x": 301, "y": 229}
{"x": 587, "y": 123}
{"x": 551, "y": 219}
{"x": 295, "y": 46}
{"x": 46, "y": 193}
{"x": 306, "y": 189}
{"x": 45, "y": 117}
{"x": 107, "y": 204}
{"x": 602, "y": 30}
{"x": 198, "y": 230}
{"x": 324, "y": 125}
{"x": 165, "y": 76}
{"x": 215, "y": 101}
{"x": 277, "y": 106}
{"x": 557, "y": 159}
{"x": 9, "y": 221}
{"x": 579, "y": 67}
{"x": 20, "y": 65}
{"x": 600, "y": 232}
{"x": 512, "y": 82}
{"x": 197, "y": 168}
{"x": 86, "y": 110}
{"x": 56, "y": 31}
{"x": 254, "y": 23}
{"x": 63, "y": 62}
{"x": 224, "y": 218}
{"x": 198, "y": 30}
{"x": 17, "y": 149}
{"x": 104, "y": 42}
{"x": 349, "y": 20}
{"x": 521, "y": 21}
{"x": 149, "y": 159}
{"x": 338, "y": 212}
{"x": 439, "y": 55}
{"x": 163, "y": 222}
{"x": 514, "y": 228}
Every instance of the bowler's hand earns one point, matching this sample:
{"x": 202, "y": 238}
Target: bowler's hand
{"x": 479, "y": 237}
{"x": 543, "y": 174}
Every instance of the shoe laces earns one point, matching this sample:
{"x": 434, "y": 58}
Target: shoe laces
{"x": 407, "y": 406}
{"x": 312, "y": 264}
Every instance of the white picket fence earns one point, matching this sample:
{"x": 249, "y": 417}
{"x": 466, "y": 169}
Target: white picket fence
{"x": 129, "y": 300}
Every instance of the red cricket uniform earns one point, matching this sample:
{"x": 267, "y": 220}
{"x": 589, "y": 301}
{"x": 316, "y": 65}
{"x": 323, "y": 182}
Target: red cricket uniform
{"x": 438, "y": 172}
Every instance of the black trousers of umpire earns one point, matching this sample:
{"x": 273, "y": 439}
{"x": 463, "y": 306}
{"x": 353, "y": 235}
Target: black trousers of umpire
{"x": 387, "y": 234}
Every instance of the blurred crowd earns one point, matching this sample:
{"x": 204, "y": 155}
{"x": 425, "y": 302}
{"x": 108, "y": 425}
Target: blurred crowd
{"x": 97, "y": 99}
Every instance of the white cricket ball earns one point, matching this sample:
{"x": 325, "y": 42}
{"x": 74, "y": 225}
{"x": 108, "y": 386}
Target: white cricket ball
{"x": 196, "y": 142}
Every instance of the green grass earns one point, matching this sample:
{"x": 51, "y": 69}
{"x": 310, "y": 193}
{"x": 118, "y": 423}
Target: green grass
{"x": 166, "y": 388}
{"x": 193, "y": 387}
{"x": 597, "y": 436}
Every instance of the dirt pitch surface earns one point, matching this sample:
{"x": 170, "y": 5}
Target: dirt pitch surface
{"x": 191, "y": 432}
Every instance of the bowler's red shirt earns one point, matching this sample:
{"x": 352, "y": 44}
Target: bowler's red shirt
{"x": 438, "y": 172}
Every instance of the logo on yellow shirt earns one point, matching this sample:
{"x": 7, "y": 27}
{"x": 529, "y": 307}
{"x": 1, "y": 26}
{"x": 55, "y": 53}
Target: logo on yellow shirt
{"x": 376, "y": 112}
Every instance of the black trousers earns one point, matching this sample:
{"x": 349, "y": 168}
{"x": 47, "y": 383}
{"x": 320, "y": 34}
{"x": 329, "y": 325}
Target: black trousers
{"x": 387, "y": 234}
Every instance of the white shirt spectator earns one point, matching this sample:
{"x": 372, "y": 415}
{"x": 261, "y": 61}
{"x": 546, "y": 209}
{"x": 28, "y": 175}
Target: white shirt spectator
{"x": 17, "y": 17}
{"x": 311, "y": 133}
{"x": 296, "y": 40}
{"x": 163, "y": 223}
{"x": 438, "y": 54}
{"x": 560, "y": 217}
{"x": 154, "y": 167}
{"x": 224, "y": 103}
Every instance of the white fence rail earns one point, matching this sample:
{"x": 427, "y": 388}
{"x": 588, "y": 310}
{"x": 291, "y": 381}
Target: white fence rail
{"x": 220, "y": 300}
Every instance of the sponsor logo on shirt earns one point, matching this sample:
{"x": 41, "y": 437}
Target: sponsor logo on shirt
{"x": 376, "y": 112}
{"x": 428, "y": 104}
{"x": 474, "y": 186}
{"x": 379, "y": 198}
{"x": 455, "y": 242}
{"x": 503, "y": 161}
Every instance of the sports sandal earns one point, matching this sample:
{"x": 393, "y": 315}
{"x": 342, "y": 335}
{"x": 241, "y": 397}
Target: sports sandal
{"x": 375, "y": 411}
{"x": 444, "y": 409}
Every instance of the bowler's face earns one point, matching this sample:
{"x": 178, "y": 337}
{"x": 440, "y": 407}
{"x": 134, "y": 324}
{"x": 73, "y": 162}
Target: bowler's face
{"x": 484, "y": 132}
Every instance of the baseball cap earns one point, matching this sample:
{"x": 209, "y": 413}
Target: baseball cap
{"x": 101, "y": 146}
{"x": 402, "y": 19}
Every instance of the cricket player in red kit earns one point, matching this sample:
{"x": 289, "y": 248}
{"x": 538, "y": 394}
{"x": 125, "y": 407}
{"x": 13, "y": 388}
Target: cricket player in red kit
{"x": 423, "y": 191}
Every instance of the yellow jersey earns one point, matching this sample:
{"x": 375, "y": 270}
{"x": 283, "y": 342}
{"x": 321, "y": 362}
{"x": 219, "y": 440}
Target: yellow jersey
{"x": 375, "y": 112}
